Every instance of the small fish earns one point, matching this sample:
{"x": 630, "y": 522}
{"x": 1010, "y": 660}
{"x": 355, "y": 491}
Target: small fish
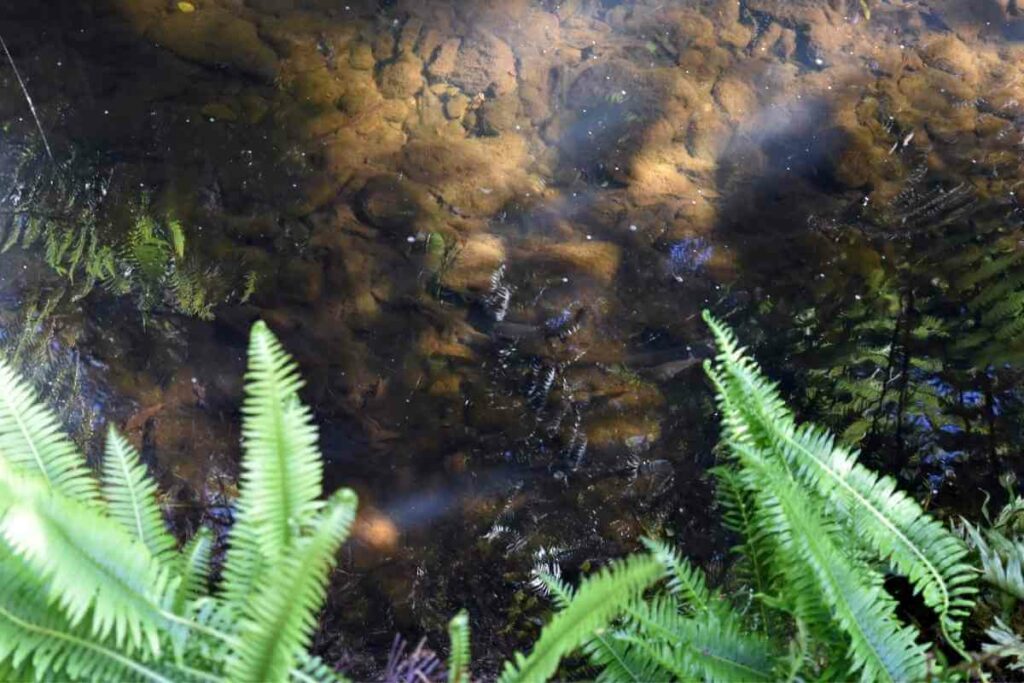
{"x": 497, "y": 302}
{"x": 540, "y": 388}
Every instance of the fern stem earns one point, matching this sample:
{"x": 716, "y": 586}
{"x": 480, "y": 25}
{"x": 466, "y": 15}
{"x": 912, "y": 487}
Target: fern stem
{"x": 225, "y": 638}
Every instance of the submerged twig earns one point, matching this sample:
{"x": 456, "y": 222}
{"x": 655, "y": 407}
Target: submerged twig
{"x": 28, "y": 98}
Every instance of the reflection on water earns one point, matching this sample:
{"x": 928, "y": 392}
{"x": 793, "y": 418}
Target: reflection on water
{"x": 486, "y": 230}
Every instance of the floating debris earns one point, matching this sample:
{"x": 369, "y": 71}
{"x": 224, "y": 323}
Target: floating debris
{"x": 687, "y": 256}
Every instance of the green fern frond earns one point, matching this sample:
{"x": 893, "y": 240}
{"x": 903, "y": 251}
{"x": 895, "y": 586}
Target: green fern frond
{"x": 193, "y": 568}
{"x": 131, "y": 497}
{"x": 38, "y": 642}
{"x": 879, "y": 648}
{"x": 90, "y": 564}
{"x": 887, "y": 520}
{"x": 1006, "y": 644}
{"x": 754, "y": 552}
{"x": 684, "y": 580}
{"x": 314, "y": 670}
{"x": 285, "y": 606}
{"x": 1002, "y": 558}
{"x": 177, "y": 234}
{"x": 708, "y": 646}
{"x": 281, "y": 471}
{"x": 31, "y": 439}
{"x": 619, "y": 660}
{"x": 598, "y": 600}
{"x": 458, "y": 637}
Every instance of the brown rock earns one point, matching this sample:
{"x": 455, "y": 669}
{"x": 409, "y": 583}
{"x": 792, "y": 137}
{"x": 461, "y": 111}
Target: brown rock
{"x": 455, "y": 106}
{"x": 599, "y": 260}
{"x": 216, "y": 37}
{"x": 484, "y": 63}
{"x": 477, "y": 260}
{"x": 444, "y": 61}
{"x": 402, "y": 78}
{"x": 361, "y": 57}
{"x": 735, "y": 97}
{"x": 391, "y": 204}
{"x": 301, "y": 281}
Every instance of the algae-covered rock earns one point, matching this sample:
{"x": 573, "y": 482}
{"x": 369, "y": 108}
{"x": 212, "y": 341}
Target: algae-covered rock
{"x": 301, "y": 281}
{"x": 455, "y": 106}
{"x": 402, "y": 78}
{"x": 389, "y": 203}
{"x": 599, "y": 260}
{"x": 474, "y": 177}
{"x": 444, "y": 61}
{"x": 215, "y": 37}
{"x": 361, "y": 57}
{"x": 476, "y": 261}
{"x": 484, "y": 63}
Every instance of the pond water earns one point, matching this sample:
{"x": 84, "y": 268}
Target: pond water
{"x": 486, "y": 229}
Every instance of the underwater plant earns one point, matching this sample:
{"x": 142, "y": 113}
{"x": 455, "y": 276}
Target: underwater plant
{"x": 70, "y": 215}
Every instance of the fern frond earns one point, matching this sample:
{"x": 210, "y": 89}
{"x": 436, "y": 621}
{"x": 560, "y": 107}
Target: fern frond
{"x": 285, "y": 607}
{"x": 709, "y": 646}
{"x": 684, "y": 580}
{"x": 620, "y": 661}
{"x": 90, "y": 565}
{"x": 1002, "y": 559}
{"x": 598, "y": 600}
{"x": 193, "y": 568}
{"x": 879, "y": 648}
{"x": 1006, "y": 644}
{"x": 887, "y": 520}
{"x": 757, "y": 547}
{"x": 131, "y": 497}
{"x": 281, "y": 470}
{"x": 35, "y": 636}
{"x": 31, "y": 439}
{"x": 314, "y": 670}
{"x": 458, "y": 660}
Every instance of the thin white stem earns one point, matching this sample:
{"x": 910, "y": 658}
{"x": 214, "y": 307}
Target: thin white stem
{"x": 28, "y": 98}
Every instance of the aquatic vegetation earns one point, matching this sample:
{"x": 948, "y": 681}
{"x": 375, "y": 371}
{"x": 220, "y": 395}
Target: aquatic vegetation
{"x": 818, "y": 532}
{"x": 94, "y": 587}
{"x": 129, "y": 247}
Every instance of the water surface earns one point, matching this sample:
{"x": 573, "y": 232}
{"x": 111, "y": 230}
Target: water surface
{"x": 486, "y": 230}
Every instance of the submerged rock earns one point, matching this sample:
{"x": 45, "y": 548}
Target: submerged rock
{"x": 478, "y": 258}
{"x": 391, "y": 204}
{"x": 214, "y": 37}
{"x": 483, "y": 63}
{"x": 402, "y": 78}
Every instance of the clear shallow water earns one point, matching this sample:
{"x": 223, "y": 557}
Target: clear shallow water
{"x": 487, "y": 230}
